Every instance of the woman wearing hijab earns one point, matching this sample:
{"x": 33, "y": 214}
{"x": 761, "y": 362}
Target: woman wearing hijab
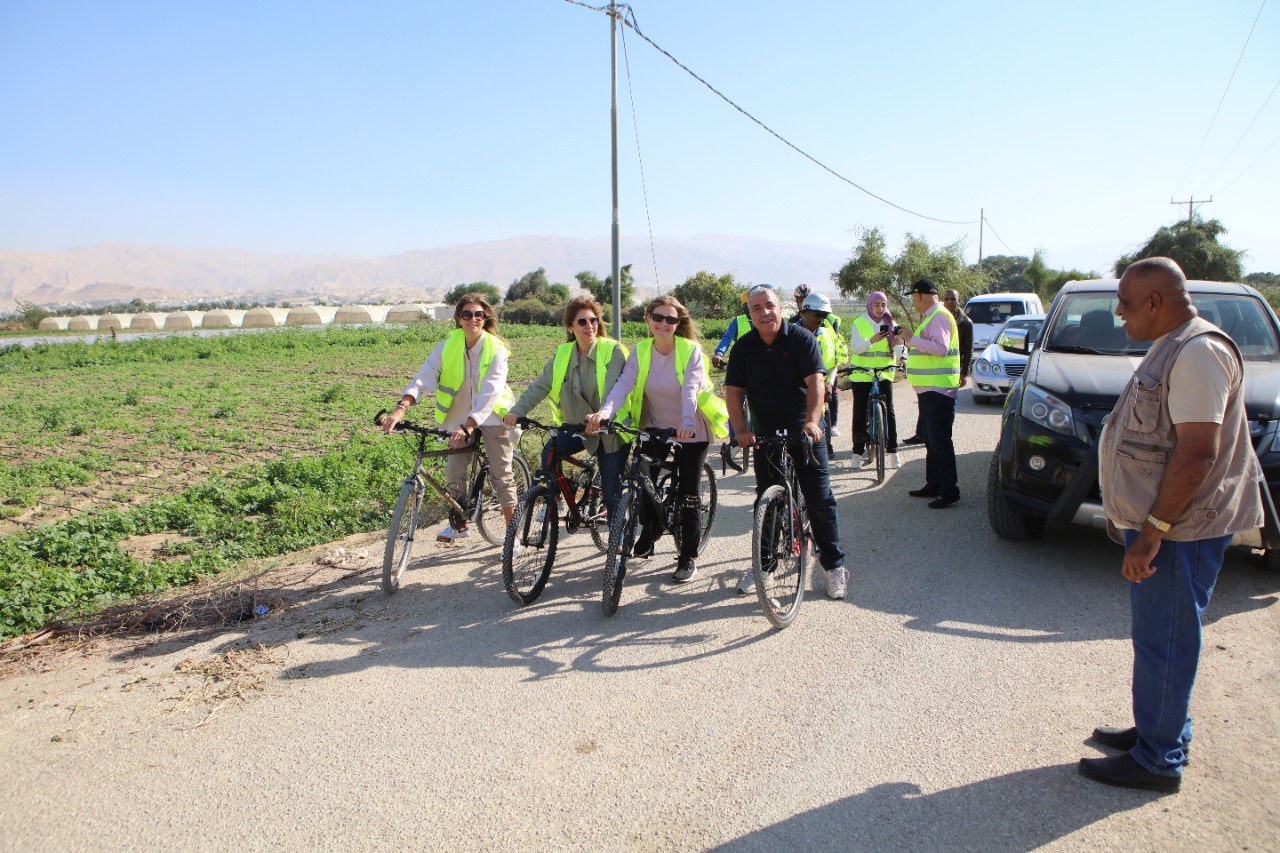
{"x": 869, "y": 347}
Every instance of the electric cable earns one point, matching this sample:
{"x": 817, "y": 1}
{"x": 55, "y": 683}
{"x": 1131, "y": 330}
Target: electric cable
{"x": 628, "y": 18}
{"x": 644, "y": 189}
{"x": 1251, "y": 165}
{"x": 1241, "y": 139}
{"x": 997, "y": 236}
{"x": 1221, "y": 100}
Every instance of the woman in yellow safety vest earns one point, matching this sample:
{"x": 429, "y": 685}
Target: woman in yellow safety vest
{"x": 665, "y": 386}
{"x": 468, "y": 373}
{"x": 871, "y": 346}
{"x": 576, "y": 380}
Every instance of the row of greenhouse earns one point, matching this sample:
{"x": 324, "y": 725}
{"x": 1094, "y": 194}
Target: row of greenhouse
{"x": 253, "y": 318}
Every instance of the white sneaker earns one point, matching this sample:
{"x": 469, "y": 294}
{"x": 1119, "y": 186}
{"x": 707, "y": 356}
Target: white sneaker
{"x": 747, "y": 585}
{"x": 835, "y": 431}
{"x": 837, "y": 580}
{"x": 449, "y": 535}
{"x": 894, "y": 462}
{"x": 856, "y": 463}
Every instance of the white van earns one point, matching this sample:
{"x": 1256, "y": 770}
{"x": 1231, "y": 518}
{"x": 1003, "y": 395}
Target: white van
{"x": 989, "y": 311}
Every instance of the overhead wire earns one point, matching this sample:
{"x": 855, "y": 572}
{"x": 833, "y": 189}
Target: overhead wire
{"x": 996, "y": 235}
{"x": 1221, "y": 100}
{"x": 644, "y": 189}
{"x": 1266, "y": 101}
{"x": 1251, "y": 165}
{"x": 628, "y": 19}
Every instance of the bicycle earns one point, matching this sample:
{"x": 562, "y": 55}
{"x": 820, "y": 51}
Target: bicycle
{"x": 479, "y": 504}
{"x": 877, "y": 413}
{"x": 781, "y": 533}
{"x": 529, "y": 549}
{"x": 662, "y": 499}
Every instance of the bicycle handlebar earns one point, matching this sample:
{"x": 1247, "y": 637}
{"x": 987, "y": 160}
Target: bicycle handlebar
{"x": 525, "y": 422}
{"x": 850, "y": 368}
{"x": 805, "y": 442}
{"x": 613, "y": 427}
{"x": 410, "y": 426}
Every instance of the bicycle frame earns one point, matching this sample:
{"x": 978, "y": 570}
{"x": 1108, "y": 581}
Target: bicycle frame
{"x": 463, "y": 509}
{"x": 552, "y": 470}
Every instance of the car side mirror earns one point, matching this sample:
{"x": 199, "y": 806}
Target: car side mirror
{"x": 1015, "y": 340}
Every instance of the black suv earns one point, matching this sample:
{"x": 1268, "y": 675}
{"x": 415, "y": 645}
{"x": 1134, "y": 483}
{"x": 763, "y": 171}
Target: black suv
{"x": 1046, "y": 466}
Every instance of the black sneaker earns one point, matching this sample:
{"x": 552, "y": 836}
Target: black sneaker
{"x": 915, "y": 439}
{"x": 685, "y": 571}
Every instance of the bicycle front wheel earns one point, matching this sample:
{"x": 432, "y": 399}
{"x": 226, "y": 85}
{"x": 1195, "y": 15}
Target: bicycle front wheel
{"x": 529, "y": 549}
{"x": 622, "y": 538}
{"x": 404, "y": 523}
{"x": 488, "y": 512}
{"x": 778, "y": 557}
{"x": 879, "y": 436}
{"x": 593, "y": 511}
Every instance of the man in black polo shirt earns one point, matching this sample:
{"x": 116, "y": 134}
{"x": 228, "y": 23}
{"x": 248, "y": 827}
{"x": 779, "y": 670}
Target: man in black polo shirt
{"x": 780, "y": 367}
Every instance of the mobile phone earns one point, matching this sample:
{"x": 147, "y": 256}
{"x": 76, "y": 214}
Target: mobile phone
{"x": 884, "y": 327}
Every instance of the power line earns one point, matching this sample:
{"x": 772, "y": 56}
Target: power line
{"x": 1266, "y": 101}
{"x": 629, "y": 20}
{"x": 1251, "y": 165}
{"x": 997, "y": 236}
{"x": 1221, "y": 100}
{"x": 644, "y": 189}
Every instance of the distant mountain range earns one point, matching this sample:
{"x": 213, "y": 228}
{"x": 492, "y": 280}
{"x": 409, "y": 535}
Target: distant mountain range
{"x": 118, "y": 272}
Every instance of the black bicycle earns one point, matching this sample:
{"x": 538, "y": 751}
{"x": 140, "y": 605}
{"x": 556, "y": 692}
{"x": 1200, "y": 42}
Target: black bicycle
{"x": 529, "y": 549}
{"x": 662, "y": 499}
{"x": 480, "y": 504}
{"x": 877, "y": 413}
{"x": 781, "y": 535}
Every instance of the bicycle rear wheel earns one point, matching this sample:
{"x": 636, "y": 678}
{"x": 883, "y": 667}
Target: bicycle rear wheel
{"x": 404, "y": 523}
{"x": 488, "y": 512}
{"x": 778, "y": 556}
{"x": 879, "y": 427}
{"x": 593, "y": 511}
{"x": 535, "y": 529}
{"x": 622, "y": 537}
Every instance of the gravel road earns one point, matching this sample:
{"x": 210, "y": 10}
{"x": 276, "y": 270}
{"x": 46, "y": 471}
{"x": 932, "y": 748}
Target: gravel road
{"x": 943, "y": 706}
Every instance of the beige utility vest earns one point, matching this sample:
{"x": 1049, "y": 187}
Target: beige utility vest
{"x": 1139, "y": 437}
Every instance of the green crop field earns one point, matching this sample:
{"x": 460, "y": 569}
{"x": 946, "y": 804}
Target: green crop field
{"x": 240, "y": 446}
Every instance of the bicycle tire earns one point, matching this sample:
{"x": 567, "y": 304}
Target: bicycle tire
{"x": 404, "y": 523}
{"x": 593, "y": 512}
{"x": 488, "y": 512}
{"x": 879, "y": 435}
{"x": 525, "y": 576}
{"x": 778, "y": 557}
{"x": 622, "y": 537}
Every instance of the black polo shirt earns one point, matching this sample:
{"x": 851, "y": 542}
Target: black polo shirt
{"x": 773, "y": 376}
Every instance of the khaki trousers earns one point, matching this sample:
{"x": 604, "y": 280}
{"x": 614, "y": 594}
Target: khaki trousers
{"x": 499, "y": 444}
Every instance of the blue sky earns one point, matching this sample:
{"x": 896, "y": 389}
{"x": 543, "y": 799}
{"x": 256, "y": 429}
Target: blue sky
{"x": 372, "y": 129}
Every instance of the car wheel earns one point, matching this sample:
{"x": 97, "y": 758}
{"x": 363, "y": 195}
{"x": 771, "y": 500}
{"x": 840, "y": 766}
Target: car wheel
{"x": 1271, "y": 559}
{"x": 1005, "y": 521}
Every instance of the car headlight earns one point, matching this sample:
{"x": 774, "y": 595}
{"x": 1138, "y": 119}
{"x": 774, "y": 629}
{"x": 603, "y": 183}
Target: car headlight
{"x": 995, "y": 368}
{"x": 1041, "y": 407}
{"x": 982, "y": 366}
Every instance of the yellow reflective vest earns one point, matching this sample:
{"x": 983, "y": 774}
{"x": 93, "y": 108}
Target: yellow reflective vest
{"x": 712, "y": 407}
{"x": 935, "y": 371}
{"x": 560, "y": 370}
{"x": 878, "y": 355}
{"x": 451, "y": 366}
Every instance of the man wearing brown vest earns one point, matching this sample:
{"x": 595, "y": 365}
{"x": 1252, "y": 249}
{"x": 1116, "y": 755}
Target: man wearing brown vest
{"x": 1179, "y": 477}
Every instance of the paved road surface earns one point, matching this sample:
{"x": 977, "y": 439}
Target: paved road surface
{"x": 942, "y": 707}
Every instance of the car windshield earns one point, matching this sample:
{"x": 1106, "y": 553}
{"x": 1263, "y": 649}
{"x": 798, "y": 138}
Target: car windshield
{"x": 1032, "y": 327}
{"x": 990, "y": 311}
{"x": 1087, "y": 322}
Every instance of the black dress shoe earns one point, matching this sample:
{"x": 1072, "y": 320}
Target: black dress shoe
{"x": 1116, "y": 738}
{"x": 926, "y": 492}
{"x": 944, "y": 502}
{"x": 643, "y": 547}
{"x": 1123, "y": 772}
{"x": 915, "y": 439}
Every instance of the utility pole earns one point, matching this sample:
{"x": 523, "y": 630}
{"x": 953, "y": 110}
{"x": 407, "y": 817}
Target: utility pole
{"x": 1190, "y": 203}
{"x": 982, "y": 219}
{"x": 613, "y": 122}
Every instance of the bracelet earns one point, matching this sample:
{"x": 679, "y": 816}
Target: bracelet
{"x": 402, "y": 405}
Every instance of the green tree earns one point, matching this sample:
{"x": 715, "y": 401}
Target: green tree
{"x": 1262, "y": 279}
{"x": 490, "y": 292}
{"x": 1194, "y": 245}
{"x": 869, "y": 269}
{"x": 31, "y": 314}
{"x": 1007, "y": 273}
{"x": 601, "y": 289}
{"x": 708, "y": 295}
{"x": 1047, "y": 282}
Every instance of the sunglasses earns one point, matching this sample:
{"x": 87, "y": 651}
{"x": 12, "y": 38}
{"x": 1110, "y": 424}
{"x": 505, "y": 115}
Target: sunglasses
{"x": 467, "y": 314}
{"x": 669, "y": 319}
{"x": 588, "y": 321}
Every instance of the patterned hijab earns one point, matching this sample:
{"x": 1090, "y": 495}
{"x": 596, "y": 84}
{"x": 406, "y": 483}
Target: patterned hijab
{"x": 884, "y": 318}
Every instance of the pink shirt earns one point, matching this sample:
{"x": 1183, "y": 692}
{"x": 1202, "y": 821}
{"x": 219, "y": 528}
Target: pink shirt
{"x": 935, "y": 339}
{"x": 666, "y": 404}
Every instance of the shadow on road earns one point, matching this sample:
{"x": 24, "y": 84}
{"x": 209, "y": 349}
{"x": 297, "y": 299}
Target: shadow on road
{"x": 1020, "y": 811}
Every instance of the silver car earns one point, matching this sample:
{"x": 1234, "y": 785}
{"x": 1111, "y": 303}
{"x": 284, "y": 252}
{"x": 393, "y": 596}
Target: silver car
{"x": 995, "y": 370}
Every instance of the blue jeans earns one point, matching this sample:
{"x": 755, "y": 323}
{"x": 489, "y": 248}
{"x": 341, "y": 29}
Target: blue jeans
{"x": 1166, "y": 610}
{"x": 938, "y": 416}
{"x": 815, "y": 484}
{"x": 611, "y": 464}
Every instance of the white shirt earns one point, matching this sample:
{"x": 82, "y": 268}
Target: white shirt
{"x": 477, "y": 397}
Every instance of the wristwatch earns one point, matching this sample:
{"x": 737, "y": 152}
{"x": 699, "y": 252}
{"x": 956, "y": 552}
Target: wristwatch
{"x": 1162, "y": 526}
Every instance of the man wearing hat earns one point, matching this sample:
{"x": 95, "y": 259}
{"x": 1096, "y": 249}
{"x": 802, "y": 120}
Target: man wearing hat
{"x": 933, "y": 369}
{"x": 813, "y": 318}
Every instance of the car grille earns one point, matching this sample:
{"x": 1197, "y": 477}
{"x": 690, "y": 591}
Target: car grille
{"x": 1014, "y": 369}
